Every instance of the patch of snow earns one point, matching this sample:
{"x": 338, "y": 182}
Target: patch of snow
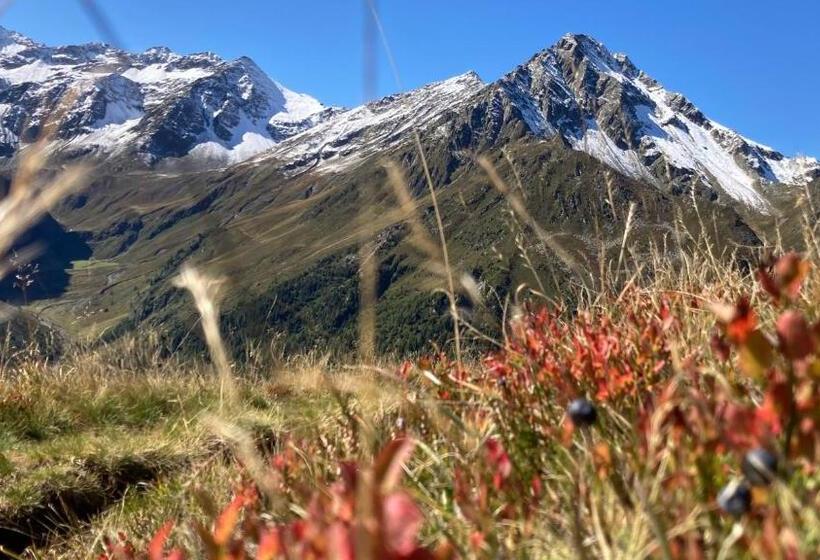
{"x": 248, "y": 139}
{"x": 248, "y": 145}
{"x": 118, "y": 112}
{"x": 37, "y": 72}
{"x": 350, "y": 136}
{"x": 109, "y": 135}
{"x": 796, "y": 170}
{"x": 298, "y": 106}
{"x": 596, "y": 143}
{"x": 695, "y": 148}
{"x": 156, "y": 73}
{"x": 11, "y": 49}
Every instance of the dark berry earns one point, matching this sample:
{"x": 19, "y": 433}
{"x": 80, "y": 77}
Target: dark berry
{"x": 735, "y": 498}
{"x": 759, "y": 466}
{"x": 582, "y": 412}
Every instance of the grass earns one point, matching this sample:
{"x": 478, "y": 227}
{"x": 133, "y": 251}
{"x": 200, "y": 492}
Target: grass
{"x": 690, "y": 358}
{"x": 116, "y": 436}
{"x": 125, "y": 438}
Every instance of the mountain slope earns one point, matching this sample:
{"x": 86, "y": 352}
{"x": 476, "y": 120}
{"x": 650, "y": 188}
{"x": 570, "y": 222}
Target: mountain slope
{"x": 598, "y": 102}
{"x": 603, "y": 105}
{"x": 580, "y": 132}
{"x": 353, "y": 136}
{"x": 157, "y": 103}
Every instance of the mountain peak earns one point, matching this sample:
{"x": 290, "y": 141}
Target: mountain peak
{"x": 582, "y": 48}
{"x": 12, "y": 42}
{"x": 470, "y": 75}
{"x": 6, "y": 33}
{"x": 583, "y": 45}
{"x": 468, "y": 80}
{"x": 579, "y": 39}
{"x": 602, "y": 104}
{"x": 158, "y": 103}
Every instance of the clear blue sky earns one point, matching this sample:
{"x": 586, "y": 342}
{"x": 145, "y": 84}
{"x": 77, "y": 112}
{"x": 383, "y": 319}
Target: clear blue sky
{"x": 750, "y": 64}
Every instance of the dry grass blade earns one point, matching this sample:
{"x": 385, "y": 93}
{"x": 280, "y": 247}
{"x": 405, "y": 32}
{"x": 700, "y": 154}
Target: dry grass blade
{"x": 100, "y": 20}
{"x": 521, "y": 211}
{"x": 205, "y": 291}
{"x": 31, "y": 195}
{"x": 451, "y": 287}
{"x": 431, "y": 186}
{"x": 627, "y": 227}
{"x": 26, "y": 202}
{"x": 409, "y": 209}
{"x": 438, "y": 255}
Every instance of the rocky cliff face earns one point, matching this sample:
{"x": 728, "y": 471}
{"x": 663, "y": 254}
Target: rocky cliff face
{"x": 214, "y": 112}
{"x": 161, "y": 104}
{"x": 601, "y": 104}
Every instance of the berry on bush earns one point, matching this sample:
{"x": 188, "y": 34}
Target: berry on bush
{"x": 759, "y": 466}
{"x": 735, "y": 498}
{"x": 582, "y": 413}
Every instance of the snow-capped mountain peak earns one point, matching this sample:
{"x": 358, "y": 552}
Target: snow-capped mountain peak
{"x": 161, "y": 103}
{"x": 602, "y": 104}
{"x": 351, "y": 136}
{"x": 12, "y": 42}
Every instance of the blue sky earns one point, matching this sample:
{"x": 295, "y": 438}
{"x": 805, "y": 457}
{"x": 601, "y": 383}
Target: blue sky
{"x": 750, "y": 64}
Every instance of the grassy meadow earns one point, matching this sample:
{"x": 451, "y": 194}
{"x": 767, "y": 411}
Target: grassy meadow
{"x": 671, "y": 413}
{"x": 438, "y": 458}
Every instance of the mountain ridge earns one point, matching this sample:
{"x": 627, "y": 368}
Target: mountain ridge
{"x": 649, "y": 133}
{"x": 284, "y": 224}
{"x": 208, "y": 111}
{"x": 157, "y": 102}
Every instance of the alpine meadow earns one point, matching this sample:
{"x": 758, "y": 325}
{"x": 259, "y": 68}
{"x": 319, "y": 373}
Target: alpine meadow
{"x": 555, "y": 313}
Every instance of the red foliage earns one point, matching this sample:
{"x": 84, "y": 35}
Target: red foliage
{"x": 693, "y": 424}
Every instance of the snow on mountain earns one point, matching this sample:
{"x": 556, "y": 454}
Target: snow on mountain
{"x": 598, "y": 102}
{"x": 352, "y": 136}
{"x": 603, "y": 105}
{"x": 159, "y": 102}
{"x": 200, "y": 107}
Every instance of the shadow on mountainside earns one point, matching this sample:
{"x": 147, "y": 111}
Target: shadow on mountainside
{"x": 56, "y": 249}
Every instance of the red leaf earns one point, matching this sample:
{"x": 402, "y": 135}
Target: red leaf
{"x": 404, "y": 370}
{"x": 477, "y": 541}
{"x": 387, "y": 469}
{"x": 768, "y": 284}
{"x": 270, "y": 545}
{"x": 790, "y": 271}
{"x": 743, "y": 322}
{"x": 402, "y": 521}
{"x": 795, "y": 337}
{"x": 756, "y": 355}
{"x": 340, "y": 541}
{"x": 227, "y": 520}
{"x": 499, "y": 460}
{"x": 157, "y": 545}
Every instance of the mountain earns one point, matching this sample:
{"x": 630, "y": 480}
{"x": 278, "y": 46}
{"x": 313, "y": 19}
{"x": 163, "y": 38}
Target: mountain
{"x": 268, "y": 188}
{"x": 215, "y": 112}
{"x": 604, "y": 106}
{"x": 597, "y": 102}
{"x": 158, "y": 104}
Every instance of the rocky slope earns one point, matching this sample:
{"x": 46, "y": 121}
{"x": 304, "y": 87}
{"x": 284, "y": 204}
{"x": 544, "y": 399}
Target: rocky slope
{"x": 597, "y": 102}
{"x": 603, "y": 105}
{"x": 586, "y": 133}
{"x": 159, "y": 103}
